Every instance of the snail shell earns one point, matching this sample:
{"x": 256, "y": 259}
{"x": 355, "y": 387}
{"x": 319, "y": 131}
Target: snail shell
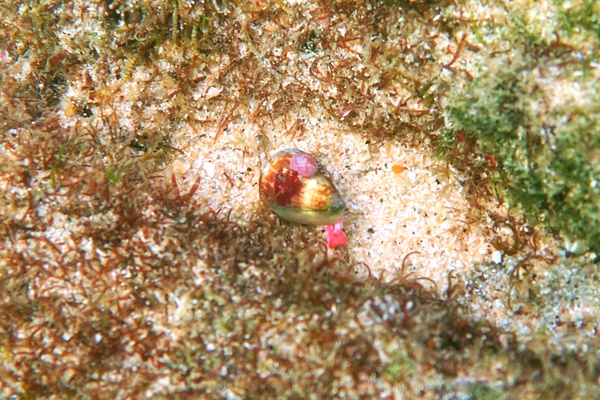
{"x": 296, "y": 191}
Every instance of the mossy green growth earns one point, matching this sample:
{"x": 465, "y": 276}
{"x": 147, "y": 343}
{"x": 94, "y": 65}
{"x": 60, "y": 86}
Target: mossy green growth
{"x": 400, "y": 366}
{"x": 548, "y": 149}
{"x": 583, "y": 14}
{"x": 113, "y": 175}
{"x": 483, "y": 392}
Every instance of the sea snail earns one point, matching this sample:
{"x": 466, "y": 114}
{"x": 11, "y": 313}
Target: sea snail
{"x": 296, "y": 191}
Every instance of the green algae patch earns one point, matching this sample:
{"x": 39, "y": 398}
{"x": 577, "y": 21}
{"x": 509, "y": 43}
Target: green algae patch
{"x": 533, "y": 111}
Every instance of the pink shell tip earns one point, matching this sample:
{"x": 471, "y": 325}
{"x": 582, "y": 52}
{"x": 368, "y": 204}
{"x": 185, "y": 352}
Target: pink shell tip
{"x": 304, "y": 165}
